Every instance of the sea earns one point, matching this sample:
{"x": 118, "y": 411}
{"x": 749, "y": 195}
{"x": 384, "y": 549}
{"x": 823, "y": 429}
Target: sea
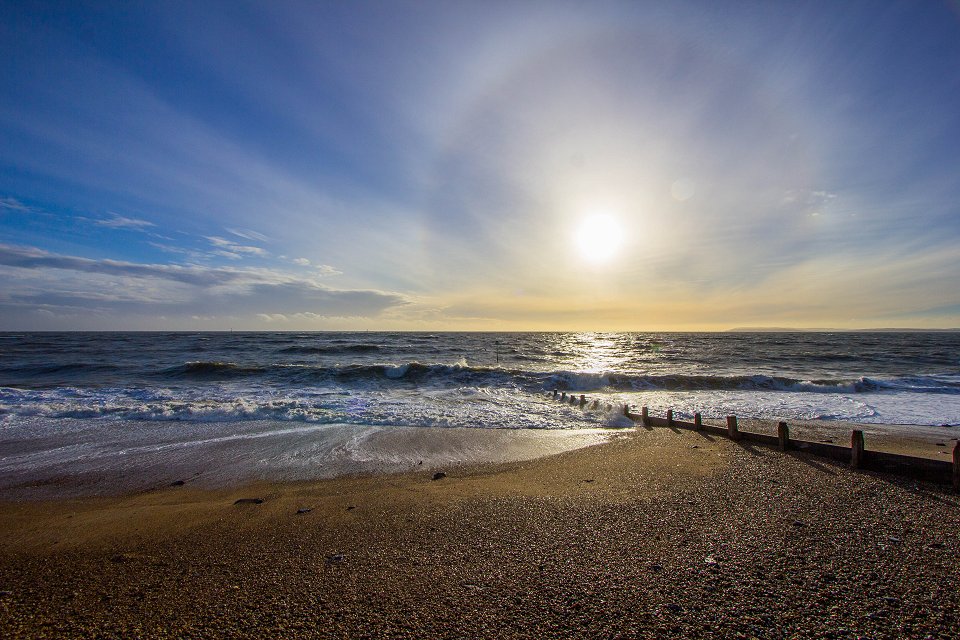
{"x": 139, "y": 409}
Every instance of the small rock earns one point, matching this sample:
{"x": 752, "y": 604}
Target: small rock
{"x": 439, "y": 475}
{"x": 710, "y": 560}
{"x": 336, "y": 558}
{"x": 303, "y": 510}
{"x": 590, "y": 480}
{"x": 694, "y": 446}
{"x": 894, "y": 540}
{"x": 249, "y": 501}
{"x": 6, "y": 594}
{"x": 351, "y": 508}
{"x": 177, "y": 483}
{"x": 656, "y": 567}
{"x": 673, "y": 607}
{"x": 798, "y": 523}
{"x": 941, "y": 444}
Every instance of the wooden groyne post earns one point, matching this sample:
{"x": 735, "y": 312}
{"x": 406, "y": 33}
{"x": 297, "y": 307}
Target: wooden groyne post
{"x": 783, "y": 436}
{"x": 697, "y": 421}
{"x": 733, "y": 432}
{"x": 644, "y": 417}
{"x": 956, "y": 466}
{"x": 669, "y": 417}
{"x": 856, "y": 449}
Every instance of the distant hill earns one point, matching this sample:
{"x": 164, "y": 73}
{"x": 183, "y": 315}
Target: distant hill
{"x": 829, "y": 330}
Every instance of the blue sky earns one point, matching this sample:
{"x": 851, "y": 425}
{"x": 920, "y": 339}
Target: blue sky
{"x": 437, "y": 165}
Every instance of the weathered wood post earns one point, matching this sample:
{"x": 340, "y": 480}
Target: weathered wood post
{"x": 956, "y": 466}
{"x": 626, "y": 410}
{"x": 669, "y": 417}
{"x": 732, "y": 431}
{"x": 573, "y": 399}
{"x": 644, "y": 416}
{"x": 783, "y": 436}
{"x": 554, "y": 394}
{"x": 563, "y": 397}
{"x": 595, "y": 404}
{"x": 856, "y": 449}
{"x": 697, "y": 421}
{"x": 583, "y": 400}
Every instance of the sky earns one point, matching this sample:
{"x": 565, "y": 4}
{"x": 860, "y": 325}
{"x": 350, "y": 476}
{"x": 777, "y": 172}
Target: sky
{"x": 418, "y": 165}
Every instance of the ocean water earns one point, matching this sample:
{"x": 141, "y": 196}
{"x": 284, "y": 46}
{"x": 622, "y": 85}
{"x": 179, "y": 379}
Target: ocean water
{"x": 146, "y": 405}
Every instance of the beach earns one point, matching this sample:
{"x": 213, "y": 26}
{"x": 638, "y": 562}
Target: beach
{"x": 655, "y": 533}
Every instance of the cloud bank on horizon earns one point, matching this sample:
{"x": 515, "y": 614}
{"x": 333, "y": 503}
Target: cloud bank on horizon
{"x": 303, "y": 165}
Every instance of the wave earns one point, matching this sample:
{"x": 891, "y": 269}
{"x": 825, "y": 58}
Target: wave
{"x": 463, "y": 374}
{"x": 207, "y": 370}
{"x": 577, "y": 381}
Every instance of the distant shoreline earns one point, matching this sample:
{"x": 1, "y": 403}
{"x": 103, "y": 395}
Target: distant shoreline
{"x": 473, "y": 331}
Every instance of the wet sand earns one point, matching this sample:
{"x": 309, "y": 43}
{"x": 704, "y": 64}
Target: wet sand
{"x": 657, "y": 533}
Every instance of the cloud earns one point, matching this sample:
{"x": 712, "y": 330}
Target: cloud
{"x": 12, "y": 204}
{"x": 303, "y": 262}
{"x": 231, "y": 249}
{"x": 35, "y": 279}
{"x": 247, "y": 234}
{"x": 273, "y": 317}
{"x": 327, "y": 270}
{"x": 122, "y": 222}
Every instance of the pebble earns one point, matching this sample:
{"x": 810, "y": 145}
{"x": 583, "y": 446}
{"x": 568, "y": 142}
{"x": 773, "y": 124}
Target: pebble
{"x": 439, "y": 475}
{"x": 249, "y": 501}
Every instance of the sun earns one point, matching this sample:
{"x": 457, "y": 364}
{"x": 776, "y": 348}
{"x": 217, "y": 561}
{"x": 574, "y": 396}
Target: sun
{"x": 598, "y": 238}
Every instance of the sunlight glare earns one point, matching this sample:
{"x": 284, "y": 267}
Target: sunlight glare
{"x": 598, "y": 238}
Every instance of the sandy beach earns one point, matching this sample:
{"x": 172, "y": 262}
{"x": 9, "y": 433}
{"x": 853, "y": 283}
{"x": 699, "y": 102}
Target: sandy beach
{"x": 657, "y": 533}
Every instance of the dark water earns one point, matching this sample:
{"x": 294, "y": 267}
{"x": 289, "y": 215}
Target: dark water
{"x": 814, "y": 362}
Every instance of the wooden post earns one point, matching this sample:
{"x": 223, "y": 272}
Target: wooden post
{"x": 644, "y": 416}
{"x": 732, "y": 431}
{"x": 563, "y": 397}
{"x": 697, "y": 421}
{"x": 554, "y": 393}
{"x": 595, "y": 404}
{"x": 856, "y": 449}
{"x": 669, "y": 417}
{"x": 783, "y": 436}
{"x": 583, "y": 400}
{"x": 573, "y": 399}
{"x": 626, "y": 410}
{"x": 956, "y": 466}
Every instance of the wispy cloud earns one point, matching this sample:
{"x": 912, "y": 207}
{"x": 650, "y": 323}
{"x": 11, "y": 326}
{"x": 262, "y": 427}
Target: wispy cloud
{"x": 230, "y": 249}
{"x": 12, "y": 204}
{"x": 122, "y": 222}
{"x": 247, "y": 234}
